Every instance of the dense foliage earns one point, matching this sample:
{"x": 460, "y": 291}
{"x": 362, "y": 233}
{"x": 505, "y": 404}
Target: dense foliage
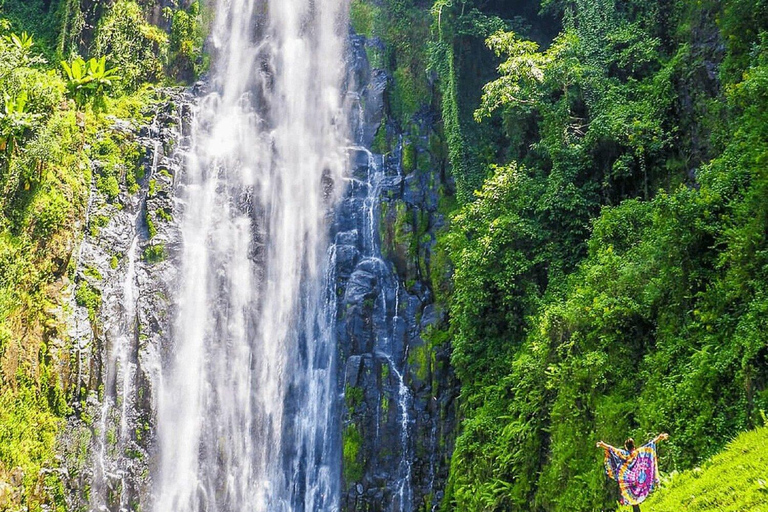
{"x": 610, "y": 273}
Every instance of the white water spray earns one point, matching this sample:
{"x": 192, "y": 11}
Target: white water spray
{"x": 245, "y": 417}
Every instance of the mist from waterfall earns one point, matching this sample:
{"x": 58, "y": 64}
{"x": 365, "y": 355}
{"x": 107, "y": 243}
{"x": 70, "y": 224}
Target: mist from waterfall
{"x": 245, "y": 405}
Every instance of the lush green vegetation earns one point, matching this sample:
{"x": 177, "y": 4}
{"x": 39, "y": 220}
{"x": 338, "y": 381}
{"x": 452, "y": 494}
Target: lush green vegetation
{"x": 732, "y": 481}
{"x": 609, "y": 253}
{"x": 44, "y": 176}
{"x": 608, "y": 243}
{"x": 402, "y": 28}
{"x": 610, "y": 270}
{"x": 62, "y": 87}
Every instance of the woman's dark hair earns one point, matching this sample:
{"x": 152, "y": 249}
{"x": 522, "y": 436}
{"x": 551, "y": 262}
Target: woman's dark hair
{"x": 629, "y": 444}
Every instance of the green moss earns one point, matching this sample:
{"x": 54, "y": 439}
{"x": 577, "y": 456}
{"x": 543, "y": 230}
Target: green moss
{"x": 154, "y": 253}
{"x": 111, "y": 437}
{"x": 403, "y": 231}
{"x": 375, "y": 57}
{"x": 423, "y": 160}
{"x": 95, "y": 223}
{"x": 362, "y": 16}
{"x": 108, "y": 186}
{"x": 385, "y": 371}
{"x": 119, "y": 157}
{"x": 436, "y": 337}
{"x": 353, "y": 395}
{"x": 409, "y": 92}
{"x": 403, "y": 27}
{"x": 164, "y": 215}
{"x": 380, "y": 141}
{"x": 93, "y": 273}
{"x": 132, "y": 179}
{"x": 409, "y": 156}
{"x": 436, "y": 146}
{"x": 352, "y": 440}
{"x": 151, "y": 228}
{"x": 113, "y": 262}
{"x": 428, "y": 505}
{"x": 447, "y": 203}
{"x": 420, "y": 359}
{"x": 133, "y": 453}
{"x": 88, "y": 297}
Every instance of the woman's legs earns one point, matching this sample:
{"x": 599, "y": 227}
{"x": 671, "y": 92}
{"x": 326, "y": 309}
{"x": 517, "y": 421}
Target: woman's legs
{"x": 635, "y": 508}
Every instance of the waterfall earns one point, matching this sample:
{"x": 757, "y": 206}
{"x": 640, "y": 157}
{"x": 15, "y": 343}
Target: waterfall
{"x": 245, "y": 412}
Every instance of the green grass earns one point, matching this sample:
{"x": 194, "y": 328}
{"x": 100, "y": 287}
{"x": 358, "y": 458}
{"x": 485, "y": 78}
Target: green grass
{"x": 735, "y": 480}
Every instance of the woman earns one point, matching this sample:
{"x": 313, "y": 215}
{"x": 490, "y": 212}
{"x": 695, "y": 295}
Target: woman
{"x": 636, "y": 470}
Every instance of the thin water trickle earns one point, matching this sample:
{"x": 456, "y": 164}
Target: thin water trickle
{"x": 403, "y": 491}
{"x": 113, "y": 435}
{"x": 245, "y": 409}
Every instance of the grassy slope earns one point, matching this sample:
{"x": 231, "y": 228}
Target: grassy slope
{"x": 734, "y": 480}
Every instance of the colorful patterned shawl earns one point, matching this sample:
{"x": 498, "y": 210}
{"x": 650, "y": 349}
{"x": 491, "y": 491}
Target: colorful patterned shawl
{"x": 637, "y": 473}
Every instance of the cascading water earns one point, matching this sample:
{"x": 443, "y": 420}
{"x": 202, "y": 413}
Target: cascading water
{"x": 373, "y": 330}
{"x": 384, "y": 345}
{"x": 245, "y": 405}
{"x": 224, "y": 304}
{"x": 113, "y": 431}
{"x": 114, "y": 440}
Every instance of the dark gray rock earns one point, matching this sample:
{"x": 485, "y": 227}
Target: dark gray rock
{"x": 399, "y": 388}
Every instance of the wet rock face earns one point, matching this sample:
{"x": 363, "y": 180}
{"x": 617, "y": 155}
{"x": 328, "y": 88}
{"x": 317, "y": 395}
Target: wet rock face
{"x": 398, "y": 389}
{"x": 121, "y": 319}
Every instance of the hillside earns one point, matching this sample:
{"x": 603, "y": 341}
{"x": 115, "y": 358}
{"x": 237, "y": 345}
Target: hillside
{"x": 735, "y": 480}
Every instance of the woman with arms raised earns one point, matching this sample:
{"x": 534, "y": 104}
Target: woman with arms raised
{"x": 636, "y": 470}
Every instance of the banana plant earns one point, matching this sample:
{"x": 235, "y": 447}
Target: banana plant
{"x": 78, "y": 79}
{"x": 89, "y": 79}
